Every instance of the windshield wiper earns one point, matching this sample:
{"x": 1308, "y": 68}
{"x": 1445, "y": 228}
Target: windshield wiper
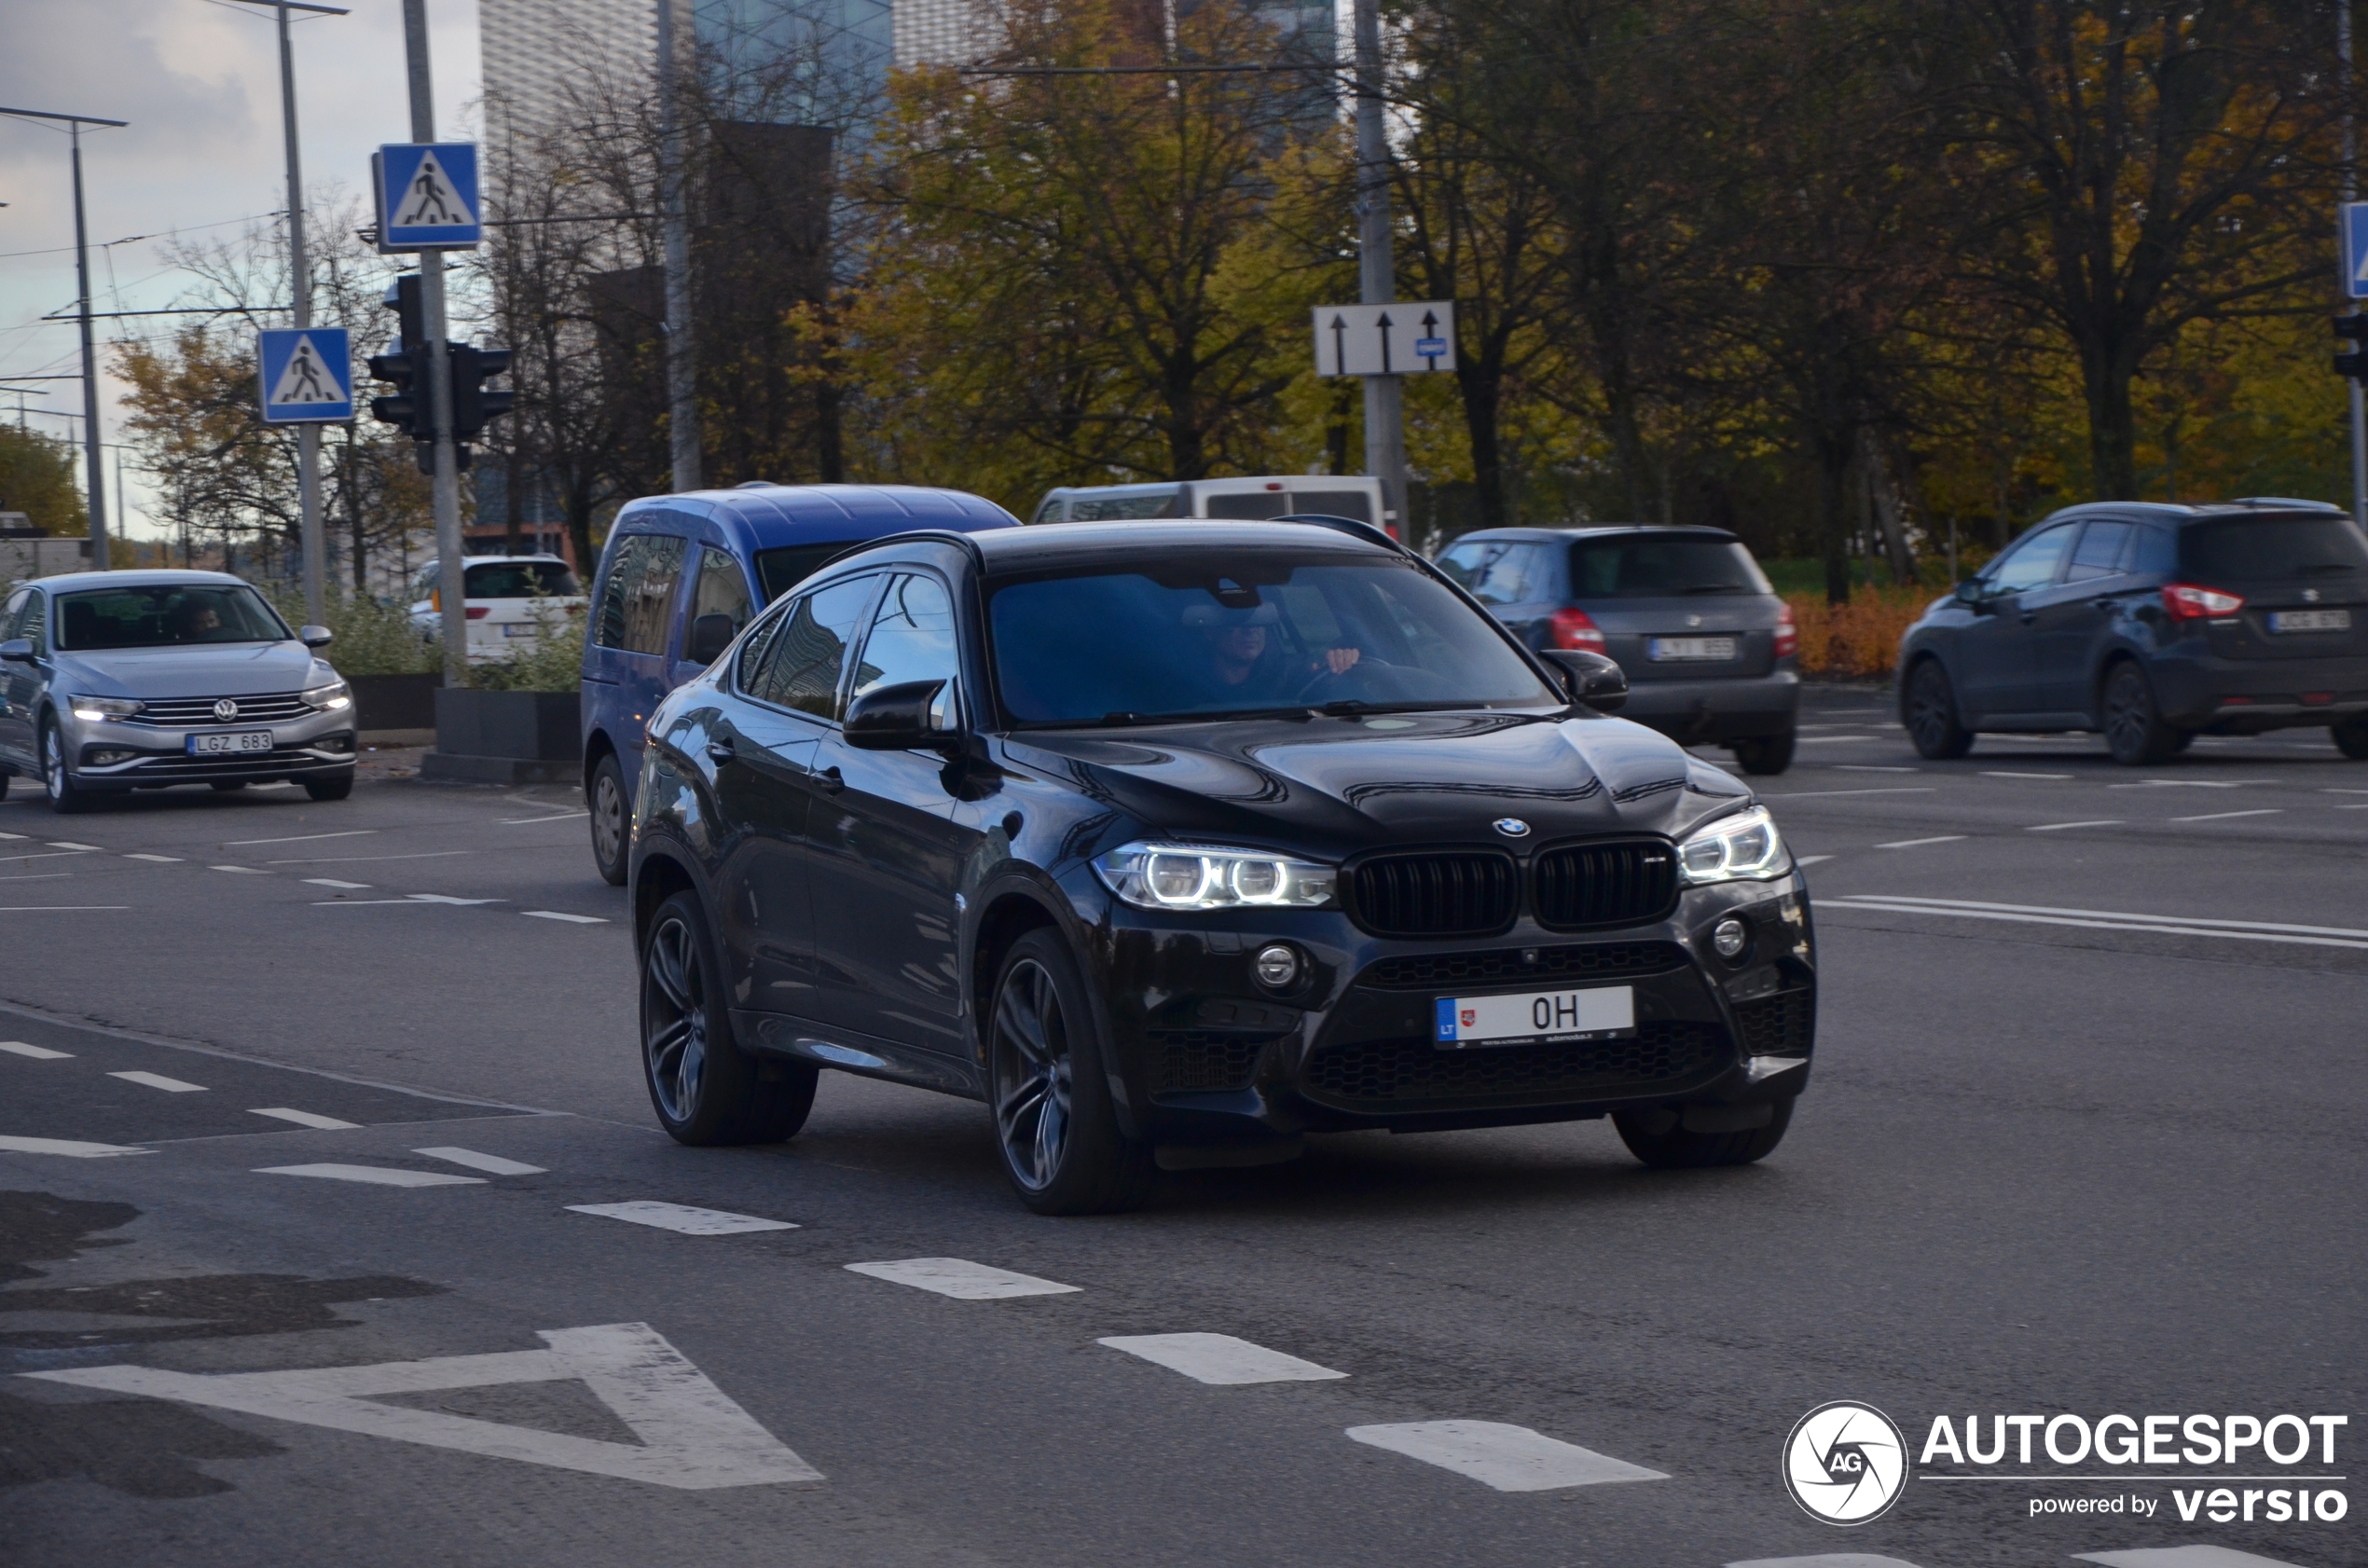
{"x": 2325, "y": 566}
{"x": 1717, "y": 588}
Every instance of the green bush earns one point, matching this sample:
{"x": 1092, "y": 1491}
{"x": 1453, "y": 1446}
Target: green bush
{"x": 554, "y": 664}
{"x": 372, "y": 637}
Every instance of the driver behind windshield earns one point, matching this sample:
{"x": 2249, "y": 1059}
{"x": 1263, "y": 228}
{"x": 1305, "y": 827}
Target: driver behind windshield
{"x": 1247, "y": 659}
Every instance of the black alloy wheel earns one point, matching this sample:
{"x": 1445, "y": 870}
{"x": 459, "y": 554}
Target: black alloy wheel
{"x": 1056, "y": 1127}
{"x": 1766, "y": 754}
{"x": 705, "y": 1089}
{"x": 64, "y": 798}
{"x": 605, "y": 798}
{"x": 2134, "y": 730}
{"x": 1932, "y": 714}
{"x": 2352, "y": 737}
{"x": 1660, "y": 1141}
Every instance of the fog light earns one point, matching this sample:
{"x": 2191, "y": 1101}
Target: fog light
{"x": 107, "y": 759}
{"x": 1275, "y": 967}
{"x": 1730, "y": 936}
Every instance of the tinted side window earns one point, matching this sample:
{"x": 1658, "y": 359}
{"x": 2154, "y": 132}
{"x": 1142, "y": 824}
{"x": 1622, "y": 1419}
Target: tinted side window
{"x": 723, "y": 590}
{"x": 8, "y": 615}
{"x": 1257, "y": 503}
{"x": 33, "y": 627}
{"x": 2100, "y": 550}
{"x": 640, "y": 592}
{"x": 2154, "y": 553}
{"x": 748, "y": 675}
{"x": 628, "y": 560}
{"x": 912, "y": 637}
{"x": 2031, "y": 563}
{"x": 809, "y": 652}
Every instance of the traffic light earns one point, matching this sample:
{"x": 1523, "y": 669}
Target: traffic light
{"x": 473, "y": 401}
{"x": 408, "y": 409}
{"x": 2355, "y": 363}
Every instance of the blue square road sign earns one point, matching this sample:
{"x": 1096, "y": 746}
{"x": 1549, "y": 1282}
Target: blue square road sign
{"x": 427, "y": 194}
{"x": 2354, "y": 234}
{"x": 306, "y": 375}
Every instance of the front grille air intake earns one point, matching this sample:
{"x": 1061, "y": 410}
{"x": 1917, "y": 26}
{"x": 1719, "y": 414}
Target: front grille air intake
{"x": 1468, "y": 893}
{"x": 263, "y": 709}
{"x": 1414, "y": 1074}
{"x": 1625, "y": 883}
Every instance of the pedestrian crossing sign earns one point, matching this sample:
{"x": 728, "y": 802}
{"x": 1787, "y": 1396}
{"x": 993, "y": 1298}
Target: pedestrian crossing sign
{"x": 427, "y": 194}
{"x": 2355, "y": 243}
{"x": 306, "y": 375}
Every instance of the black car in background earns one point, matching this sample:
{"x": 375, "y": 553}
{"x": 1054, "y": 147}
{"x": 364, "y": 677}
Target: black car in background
{"x": 1709, "y": 650}
{"x": 2155, "y": 623}
{"x": 1175, "y": 842}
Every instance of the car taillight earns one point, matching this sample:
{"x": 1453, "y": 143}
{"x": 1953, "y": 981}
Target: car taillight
{"x": 2187, "y": 602}
{"x": 1788, "y": 632}
{"x": 1575, "y": 628}
{"x": 480, "y": 613}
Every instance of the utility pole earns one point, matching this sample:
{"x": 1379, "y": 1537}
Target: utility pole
{"x": 2352, "y": 192}
{"x": 681, "y": 365}
{"x": 1384, "y": 401}
{"x": 435, "y": 365}
{"x": 300, "y": 276}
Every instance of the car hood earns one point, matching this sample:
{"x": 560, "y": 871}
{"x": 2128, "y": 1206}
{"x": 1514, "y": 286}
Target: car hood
{"x": 235, "y": 669}
{"x": 1335, "y": 787}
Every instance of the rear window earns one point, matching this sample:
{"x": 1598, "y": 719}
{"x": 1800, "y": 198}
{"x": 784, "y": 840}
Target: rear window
{"x": 780, "y": 571}
{"x": 1356, "y": 505}
{"x": 521, "y": 580}
{"x": 1245, "y": 506}
{"x": 1665, "y": 568}
{"x": 2251, "y": 549}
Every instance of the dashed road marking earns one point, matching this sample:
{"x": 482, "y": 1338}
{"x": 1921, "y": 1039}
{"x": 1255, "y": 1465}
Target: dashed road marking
{"x": 38, "y": 1053}
{"x": 1809, "y": 859}
{"x": 1889, "y": 789}
{"x": 12, "y": 837}
{"x": 1508, "y": 1458}
{"x": 304, "y": 1118}
{"x": 2059, "y": 827}
{"x": 492, "y": 1164}
{"x": 2224, "y": 816}
{"x": 299, "y": 838}
{"x": 571, "y": 919}
{"x": 63, "y": 908}
{"x": 1873, "y": 768}
{"x": 961, "y": 1279}
{"x": 380, "y": 1175}
{"x": 1826, "y": 1560}
{"x": 673, "y": 1216}
{"x": 1913, "y": 843}
{"x": 158, "y": 1080}
{"x": 159, "y": 860}
{"x": 356, "y": 859}
{"x": 67, "y": 1147}
{"x": 243, "y": 871}
{"x": 447, "y": 898}
{"x": 69, "y": 844}
{"x": 1993, "y": 772}
{"x": 1219, "y": 1358}
{"x": 562, "y": 816}
{"x": 333, "y": 882}
{"x": 412, "y": 901}
{"x": 2107, "y": 920}
{"x": 2190, "y": 783}
{"x": 2181, "y": 1557}
{"x": 1830, "y": 739}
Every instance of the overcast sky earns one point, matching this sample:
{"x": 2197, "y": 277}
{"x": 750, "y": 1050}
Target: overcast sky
{"x": 198, "y": 80}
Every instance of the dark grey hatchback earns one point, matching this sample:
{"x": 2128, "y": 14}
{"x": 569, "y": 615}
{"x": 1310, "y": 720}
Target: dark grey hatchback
{"x": 1711, "y": 653}
{"x": 1174, "y": 843}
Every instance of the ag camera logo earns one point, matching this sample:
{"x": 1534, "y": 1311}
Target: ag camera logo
{"x": 1845, "y": 1462}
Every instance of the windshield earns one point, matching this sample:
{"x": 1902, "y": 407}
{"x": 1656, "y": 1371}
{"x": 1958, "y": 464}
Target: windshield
{"x": 2243, "y": 549}
{"x": 1201, "y": 635}
{"x": 166, "y": 616}
{"x": 520, "y": 580}
{"x": 1663, "y": 568}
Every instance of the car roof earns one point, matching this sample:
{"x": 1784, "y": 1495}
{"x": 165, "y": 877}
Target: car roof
{"x": 2180, "y": 512}
{"x": 1117, "y": 542}
{"x": 758, "y": 518}
{"x": 152, "y": 577}
{"x": 1602, "y": 531}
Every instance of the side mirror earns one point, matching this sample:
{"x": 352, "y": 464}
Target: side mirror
{"x": 315, "y": 636}
{"x": 1592, "y": 679}
{"x": 1970, "y": 592}
{"x": 710, "y": 636}
{"x": 913, "y": 716}
{"x": 17, "y": 651}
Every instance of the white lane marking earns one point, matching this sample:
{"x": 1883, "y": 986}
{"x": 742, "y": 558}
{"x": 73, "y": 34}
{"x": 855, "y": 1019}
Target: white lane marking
{"x": 67, "y": 1147}
{"x": 1219, "y": 1358}
{"x": 381, "y": 1175}
{"x": 1826, "y": 1560}
{"x": 2128, "y": 923}
{"x": 38, "y": 1053}
{"x": 413, "y": 900}
{"x": 2181, "y": 1557}
{"x": 558, "y": 914}
{"x": 1829, "y": 739}
{"x": 12, "y": 837}
{"x": 1893, "y": 789}
{"x": 492, "y": 1164}
{"x": 332, "y": 882}
{"x": 692, "y": 1436}
{"x": 961, "y": 1279}
{"x": 68, "y": 843}
{"x": 355, "y": 860}
{"x": 243, "y": 871}
{"x": 2224, "y": 816}
{"x": 158, "y": 1080}
{"x": 2059, "y": 827}
{"x": 2117, "y": 914}
{"x": 1873, "y": 768}
{"x": 2190, "y": 783}
{"x": 1809, "y": 859}
{"x": 1992, "y": 772}
{"x": 159, "y": 860}
{"x": 65, "y": 875}
{"x": 447, "y": 898}
{"x": 2331, "y": 790}
{"x": 60, "y": 908}
{"x": 1912, "y": 843}
{"x": 303, "y": 1118}
{"x": 1508, "y": 1458}
{"x": 299, "y": 838}
{"x": 46, "y": 855}
{"x": 562, "y": 816}
{"x": 679, "y": 1216}
{"x": 2338, "y": 808}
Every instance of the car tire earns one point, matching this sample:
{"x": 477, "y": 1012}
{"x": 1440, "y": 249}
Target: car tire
{"x": 706, "y": 1090}
{"x": 611, "y": 841}
{"x": 2352, "y": 737}
{"x": 329, "y": 788}
{"x": 1932, "y": 714}
{"x": 66, "y": 798}
{"x": 1056, "y": 1130}
{"x": 1675, "y": 1148}
{"x": 2134, "y": 728}
{"x": 1766, "y": 754}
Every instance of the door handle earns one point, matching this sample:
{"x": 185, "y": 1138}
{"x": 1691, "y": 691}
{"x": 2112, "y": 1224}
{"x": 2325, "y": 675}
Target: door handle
{"x": 720, "y": 752}
{"x": 831, "y": 780}
{"x": 2029, "y": 615}
{"x": 2104, "y": 601}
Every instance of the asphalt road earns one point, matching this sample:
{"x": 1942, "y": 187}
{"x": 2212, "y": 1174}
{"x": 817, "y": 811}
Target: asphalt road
{"x": 2084, "y": 1137}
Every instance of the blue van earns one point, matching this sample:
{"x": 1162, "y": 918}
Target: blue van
{"x": 682, "y": 574}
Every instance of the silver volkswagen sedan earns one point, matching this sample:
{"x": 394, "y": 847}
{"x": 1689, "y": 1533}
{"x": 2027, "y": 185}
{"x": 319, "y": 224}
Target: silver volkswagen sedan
{"x": 117, "y": 680}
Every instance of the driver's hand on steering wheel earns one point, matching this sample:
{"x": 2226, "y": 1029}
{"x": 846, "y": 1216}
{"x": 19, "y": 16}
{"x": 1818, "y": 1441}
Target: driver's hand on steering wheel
{"x": 1342, "y": 660}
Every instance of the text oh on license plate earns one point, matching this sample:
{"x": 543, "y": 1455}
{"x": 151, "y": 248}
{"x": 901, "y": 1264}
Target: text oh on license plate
{"x": 2310, "y": 620}
{"x": 237, "y": 745}
{"x": 1600, "y": 1012}
{"x": 1689, "y": 648}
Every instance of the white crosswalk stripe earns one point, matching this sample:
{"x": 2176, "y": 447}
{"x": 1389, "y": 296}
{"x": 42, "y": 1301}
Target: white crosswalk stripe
{"x": 961, "y": 1279}
{"x": 1219, "y": 1358}
{"x": 1826, "y": 1560}
{"x": 673, "y": 1216}
{"x": 2181, "y": 1557}
{"x": 378, "y": 1175}
{"x": 1508, "y": 1458}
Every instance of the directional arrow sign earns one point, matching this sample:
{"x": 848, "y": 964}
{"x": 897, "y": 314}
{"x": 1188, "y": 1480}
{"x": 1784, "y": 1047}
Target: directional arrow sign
{"x": 2355, "y": 242}
{"x": 1385, "y": 340}
{"x": 306, "y": 375}
{"x": 427, "y": 196}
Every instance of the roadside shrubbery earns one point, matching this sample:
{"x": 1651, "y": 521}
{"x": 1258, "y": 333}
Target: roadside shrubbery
{"x": 1858, "y": 640}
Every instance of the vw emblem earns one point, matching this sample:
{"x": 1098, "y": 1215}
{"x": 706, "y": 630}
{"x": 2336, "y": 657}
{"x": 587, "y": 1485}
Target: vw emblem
{"x": 225, "y": 709}
{"x": 2310, "y": 595}
{"x": 1511, "y": 826}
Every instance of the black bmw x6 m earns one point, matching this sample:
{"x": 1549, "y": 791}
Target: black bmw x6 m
{"x": 1176, "y": 843}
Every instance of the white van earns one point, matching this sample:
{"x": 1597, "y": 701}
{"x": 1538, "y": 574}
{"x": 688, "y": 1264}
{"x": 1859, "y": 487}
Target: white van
{"x": 1278, "y": 495}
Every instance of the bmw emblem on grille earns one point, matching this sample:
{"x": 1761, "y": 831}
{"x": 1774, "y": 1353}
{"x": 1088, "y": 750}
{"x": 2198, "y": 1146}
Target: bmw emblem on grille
{"x": 226, "y": 710}
{"x": 1511, "y": 826}
{"x": 1693, "y": 620}
{"x": 2310, "y": 595}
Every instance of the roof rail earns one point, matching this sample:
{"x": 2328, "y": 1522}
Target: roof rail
{"x": 1371, "y": 533}
{"x": 2284, "y": 501}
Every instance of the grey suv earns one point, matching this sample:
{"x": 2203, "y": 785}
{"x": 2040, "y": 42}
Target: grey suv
{"x": 117, "y": 680}
{"x": 1710, "y": 652}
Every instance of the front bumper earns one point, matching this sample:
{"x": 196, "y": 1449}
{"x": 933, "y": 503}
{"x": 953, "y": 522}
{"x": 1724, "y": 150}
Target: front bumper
{"x": 1214, "y": 1062}
{"x": 1699, "y": 712}
{"x": 128, "y": 754}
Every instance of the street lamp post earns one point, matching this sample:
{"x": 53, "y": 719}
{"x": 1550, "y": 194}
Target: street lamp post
{"x": 1376, "y": 271}
{"x": 681, "y": 365}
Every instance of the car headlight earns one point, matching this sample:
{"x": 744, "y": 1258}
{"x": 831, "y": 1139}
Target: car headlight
{"x": 1734, "y": 849}
{"x": 103, "y": 708}
{"x": 1187, "y": 876}
{"x": 331, "y": 697}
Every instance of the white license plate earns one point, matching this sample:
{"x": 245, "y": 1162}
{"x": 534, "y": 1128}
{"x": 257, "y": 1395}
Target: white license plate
{"x": 1599, "y": 1013}
{"x": 519, "y": 628}
{"x": 2310, "y": 620}
{"x": 1660, "y": 648}
{"x": 241, "y": 744}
